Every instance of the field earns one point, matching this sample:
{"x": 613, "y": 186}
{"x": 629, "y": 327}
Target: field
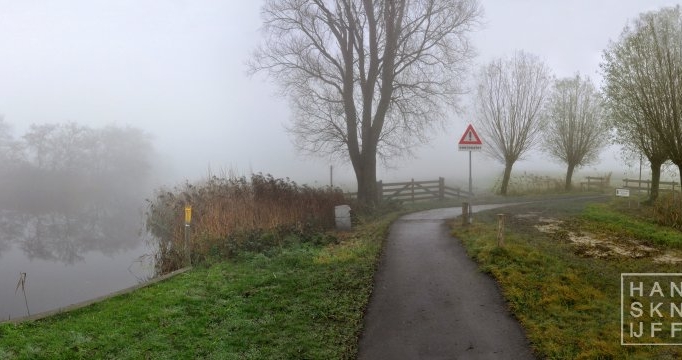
{"x": 560, "y": 271}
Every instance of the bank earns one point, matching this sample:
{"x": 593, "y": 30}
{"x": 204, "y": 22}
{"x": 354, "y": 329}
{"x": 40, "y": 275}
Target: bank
{"x": 299, "y": 301}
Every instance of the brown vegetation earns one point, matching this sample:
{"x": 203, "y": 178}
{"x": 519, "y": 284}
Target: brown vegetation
{"x": 234, "y": 214}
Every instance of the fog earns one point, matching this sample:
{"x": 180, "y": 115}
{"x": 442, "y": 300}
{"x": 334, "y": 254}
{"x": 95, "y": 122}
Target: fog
{"x": 176, "y": 70}
{"x": 69, "y": 189}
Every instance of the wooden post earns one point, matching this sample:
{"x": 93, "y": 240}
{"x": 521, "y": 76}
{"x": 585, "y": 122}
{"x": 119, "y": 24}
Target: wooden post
{"x": 500, "y": 230}
{"x": 380, "y": 191}
{"x": 412, "y": 190}
{"x": 441, "y": 189}
{"x": 465, "y": 213}
{"x": 648, "y": 189}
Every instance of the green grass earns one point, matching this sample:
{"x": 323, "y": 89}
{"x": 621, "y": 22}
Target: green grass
{"x": 568, "y": 304}
{"x": 604, "y": 218}
{"x": 302, "y": 302}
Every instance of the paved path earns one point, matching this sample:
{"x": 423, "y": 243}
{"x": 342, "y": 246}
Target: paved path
{"x": 431, "y": 302}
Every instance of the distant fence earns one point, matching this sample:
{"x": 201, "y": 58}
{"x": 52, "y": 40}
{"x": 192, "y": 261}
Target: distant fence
{"x": 600, "y": 182}
{"x": 640, "y": 185}
{"x": 417, "y": 191}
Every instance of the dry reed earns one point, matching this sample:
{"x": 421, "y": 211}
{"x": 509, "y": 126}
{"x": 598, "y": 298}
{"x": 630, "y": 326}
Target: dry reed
{"x": 230, "y": 214}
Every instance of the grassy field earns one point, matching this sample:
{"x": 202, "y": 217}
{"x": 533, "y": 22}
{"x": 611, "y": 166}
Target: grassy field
{"x": 298, "y": 302}
{"x": 566, "y": 297}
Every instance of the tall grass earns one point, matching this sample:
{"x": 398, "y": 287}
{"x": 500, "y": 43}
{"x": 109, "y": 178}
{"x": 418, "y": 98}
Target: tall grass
{"x": 667, "y": 210}
{"x": 530, "y": 184}
{"x": 230, "y": 214}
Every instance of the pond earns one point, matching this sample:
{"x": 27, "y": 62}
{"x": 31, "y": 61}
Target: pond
{"x": 68, "y": 258}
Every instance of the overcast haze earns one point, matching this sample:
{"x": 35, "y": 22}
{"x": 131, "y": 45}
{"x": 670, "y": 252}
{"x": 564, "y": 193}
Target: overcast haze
{"x": 176, "y": 69}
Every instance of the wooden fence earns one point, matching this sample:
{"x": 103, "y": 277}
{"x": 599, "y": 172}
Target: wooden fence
{"x": 418, "y": 191}
{"x": 645, "y": 185}
{"x": 599, "y": 182}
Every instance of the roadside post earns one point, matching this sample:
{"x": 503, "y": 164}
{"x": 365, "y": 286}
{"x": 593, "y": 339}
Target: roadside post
{"x": 624, "y": 193}
{"x": 188, "y": 221}
{"x": 500, "y": 229}
{"x": 470, "y": 141}
{"x": 465, "y": 213}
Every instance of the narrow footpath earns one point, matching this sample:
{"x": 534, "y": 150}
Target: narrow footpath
{"x": 431, "y": 302}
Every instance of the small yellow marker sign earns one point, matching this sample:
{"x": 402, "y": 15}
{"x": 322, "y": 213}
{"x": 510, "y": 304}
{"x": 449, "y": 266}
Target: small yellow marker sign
{"x": 188, "y": 215}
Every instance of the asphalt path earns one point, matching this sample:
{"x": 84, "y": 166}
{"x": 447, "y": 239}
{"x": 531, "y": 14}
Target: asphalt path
{"x": 430, "y": 301}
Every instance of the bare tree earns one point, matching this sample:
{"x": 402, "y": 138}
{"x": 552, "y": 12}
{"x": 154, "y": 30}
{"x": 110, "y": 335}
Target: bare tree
{"x": 643, "y": 75}
{"x": 576, "y": 128}
{"x": 366, "y": 79}
{"x": 509, "y": 107}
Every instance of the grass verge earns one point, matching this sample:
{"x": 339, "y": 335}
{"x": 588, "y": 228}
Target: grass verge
{"x": 302, "y": 301}
{"x": 568, "y": 304}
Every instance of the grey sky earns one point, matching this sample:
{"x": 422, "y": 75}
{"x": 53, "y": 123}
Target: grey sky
{"x": 176, "y": 69}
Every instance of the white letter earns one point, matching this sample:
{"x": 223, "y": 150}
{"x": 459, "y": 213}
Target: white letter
{"x": 636, "y": 309}
{"x": 655, "y": 327}
{"x": 657, "y": 288}
{"x": 675, "y": 309}
{"x": 674, "y": 289}
{"x": 641, "y": 330}
{"x": 654, "y": 309}
{"x": 674, "y": 328}
{"x": 633, "y": 288}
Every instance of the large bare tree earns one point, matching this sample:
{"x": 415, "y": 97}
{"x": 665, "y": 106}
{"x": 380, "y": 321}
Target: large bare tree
{"x": 577, "y": 128}
{"x": 509, "y": 107}
{"x": 643, "y": 75}
{"x": 366, "y": 79}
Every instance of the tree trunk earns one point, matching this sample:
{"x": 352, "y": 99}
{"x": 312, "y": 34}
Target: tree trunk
{"x": 505, "y": 178}
{"x": 366, "y": 176}
{"x": 655, "y": 179}
{"x": 569, "y": 176}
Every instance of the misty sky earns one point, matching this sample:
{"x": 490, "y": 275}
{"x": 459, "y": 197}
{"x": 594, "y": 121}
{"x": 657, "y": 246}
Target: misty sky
{"x": 177, "y": 70}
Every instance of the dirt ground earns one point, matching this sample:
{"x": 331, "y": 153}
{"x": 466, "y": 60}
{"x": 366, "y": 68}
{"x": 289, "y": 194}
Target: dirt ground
{"x": 553, "y": 218}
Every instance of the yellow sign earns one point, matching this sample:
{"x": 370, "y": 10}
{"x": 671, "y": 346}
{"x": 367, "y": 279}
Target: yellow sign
{"x": 188, "y": 214}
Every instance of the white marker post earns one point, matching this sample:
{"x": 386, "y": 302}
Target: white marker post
{"x": 188, "y": 221}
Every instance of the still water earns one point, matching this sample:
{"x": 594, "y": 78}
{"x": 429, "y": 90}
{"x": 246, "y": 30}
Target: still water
{"x": 68, "y": 259}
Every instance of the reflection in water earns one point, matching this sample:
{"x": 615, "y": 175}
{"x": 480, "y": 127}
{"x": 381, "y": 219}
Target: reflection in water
{"x": 71, "y": 202}
{"x": 66, "y": 237}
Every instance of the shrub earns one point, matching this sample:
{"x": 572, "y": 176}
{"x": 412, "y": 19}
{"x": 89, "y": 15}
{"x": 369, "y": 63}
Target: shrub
{"x": 230, "y": 215}
{"x": 667, "y": 210}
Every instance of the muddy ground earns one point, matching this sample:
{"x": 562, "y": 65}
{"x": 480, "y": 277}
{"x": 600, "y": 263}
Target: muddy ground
{"x": 558, "y": 218}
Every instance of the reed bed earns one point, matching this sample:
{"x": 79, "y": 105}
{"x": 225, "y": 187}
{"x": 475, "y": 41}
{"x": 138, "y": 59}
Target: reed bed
{"x": 233, "y": 214}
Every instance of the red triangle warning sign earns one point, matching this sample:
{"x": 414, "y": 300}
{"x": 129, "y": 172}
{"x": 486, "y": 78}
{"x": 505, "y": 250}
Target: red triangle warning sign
{"x": 470, "y": 137}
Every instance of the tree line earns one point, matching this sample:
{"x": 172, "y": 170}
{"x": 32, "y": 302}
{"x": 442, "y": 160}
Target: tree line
{"x": 370, "y": 80}
{"x": 69, "y": 188}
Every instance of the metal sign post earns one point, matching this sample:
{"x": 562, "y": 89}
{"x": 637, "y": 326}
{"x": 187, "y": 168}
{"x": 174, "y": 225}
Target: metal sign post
{"x": 470, "y": 142}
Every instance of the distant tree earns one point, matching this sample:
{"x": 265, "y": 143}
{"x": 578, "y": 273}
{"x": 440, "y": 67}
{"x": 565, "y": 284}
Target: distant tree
{"x": 577, "y": 128}
{"x": 10, "y": 149}
{"x": 509, "y": 107}
{"x": 74, "y": 189}
{"x": 366, "y": 79}
{"x": 75, "y": 166}
{"x": 643, "y": 76}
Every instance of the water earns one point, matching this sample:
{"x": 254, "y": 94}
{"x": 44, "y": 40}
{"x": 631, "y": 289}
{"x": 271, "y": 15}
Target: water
{"x": 68, "y": 259}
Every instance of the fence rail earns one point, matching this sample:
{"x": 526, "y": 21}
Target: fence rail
{"x": 640, "y": 185}
{"x": 417, "y": 191}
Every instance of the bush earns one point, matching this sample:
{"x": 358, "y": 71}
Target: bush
{"x": 667, "y": 210}
{"x": 231, "y": 215}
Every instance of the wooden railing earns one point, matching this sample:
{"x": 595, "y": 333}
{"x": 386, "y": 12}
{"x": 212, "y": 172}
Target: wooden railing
{"x": 596, "y": 181}
{"x": 634, "y": 184}
{"x": 417, "y": 191}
